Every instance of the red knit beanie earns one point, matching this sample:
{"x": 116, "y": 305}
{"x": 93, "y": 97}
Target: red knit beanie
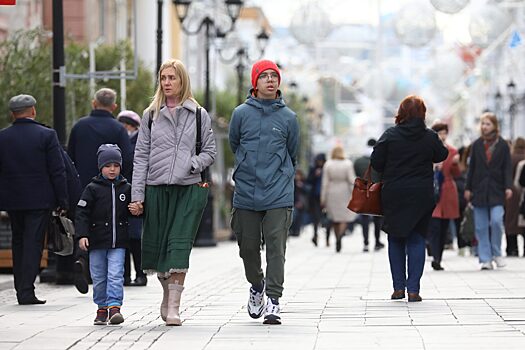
{"x": 261, "y": 66}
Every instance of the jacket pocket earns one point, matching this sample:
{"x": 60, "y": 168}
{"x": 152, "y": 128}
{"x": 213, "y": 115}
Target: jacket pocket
{"x": 281, "y": 152}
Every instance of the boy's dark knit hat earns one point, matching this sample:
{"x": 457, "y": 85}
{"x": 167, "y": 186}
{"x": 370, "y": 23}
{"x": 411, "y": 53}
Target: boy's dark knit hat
{"x": 261, "y": 66}
{"x": 109, "y": 153}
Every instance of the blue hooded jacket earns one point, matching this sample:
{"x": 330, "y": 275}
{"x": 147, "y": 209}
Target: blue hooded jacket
{"x": 264, "y": 136}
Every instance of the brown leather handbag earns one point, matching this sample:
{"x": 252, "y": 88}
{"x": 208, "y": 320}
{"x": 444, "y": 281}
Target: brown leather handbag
{"x": 366, "y": 195}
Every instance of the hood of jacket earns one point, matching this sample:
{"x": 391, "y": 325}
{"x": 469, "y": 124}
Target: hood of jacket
{"x": 266, "y": 105}
{"x": 99, "y": 179}
{"x": 413, "y": 129}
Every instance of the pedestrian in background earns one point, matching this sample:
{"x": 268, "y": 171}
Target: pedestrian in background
{"x": 447, "y": 207}
{"x": 87, "y": 135}
{"x": 300, "y": 203}
{"x": 314, "y": 179}
{"x": 512, "y": 205}
{"x": 404, "y": 155}
{"x": 464, "y": 225}
{"x": 264, "y": 137}
{"x": 360, "y": 166}
{"x": 32, "y": 184}
{"x": 489, "y": 184}
{"x": 106, "y": 238}
{"x": 336, "y": 191}
{"x": 167, "y": 182}
{"x": 131, "y": 121}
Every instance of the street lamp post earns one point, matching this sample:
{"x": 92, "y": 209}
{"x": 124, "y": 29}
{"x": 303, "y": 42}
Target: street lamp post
{"x": 511, "y": 91}
{"x": 234, "y": 9}
{"x": 205, "y": 236}
{"x": 243, "y": 59}
{"x": 159, "y": 34}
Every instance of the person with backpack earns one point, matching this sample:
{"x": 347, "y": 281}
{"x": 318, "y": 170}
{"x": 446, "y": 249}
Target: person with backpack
{"x": 175, "y": 146}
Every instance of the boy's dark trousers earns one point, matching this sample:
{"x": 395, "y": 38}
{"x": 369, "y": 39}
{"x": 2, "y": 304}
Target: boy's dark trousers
{"x": 250, "y": 227}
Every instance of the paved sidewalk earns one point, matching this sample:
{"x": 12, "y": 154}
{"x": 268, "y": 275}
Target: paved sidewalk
{"x": 331, "y": 301}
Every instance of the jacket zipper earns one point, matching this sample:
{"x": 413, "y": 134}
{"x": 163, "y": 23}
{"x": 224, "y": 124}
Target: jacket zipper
{"x": 113, "y": 212}
{"x": 172, "y": 165}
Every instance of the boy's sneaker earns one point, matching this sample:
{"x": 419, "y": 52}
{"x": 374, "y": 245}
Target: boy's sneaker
{"x": 487, "y": 265}
{"x": 115, "y": 317}
{"x": 272, "y": 313}
{"x": 102, "y": 317}
{"x": 256, "y": 302}
{"x": 499, "y": 262}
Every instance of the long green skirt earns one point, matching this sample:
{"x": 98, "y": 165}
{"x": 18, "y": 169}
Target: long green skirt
{"x": 171, "y": 219}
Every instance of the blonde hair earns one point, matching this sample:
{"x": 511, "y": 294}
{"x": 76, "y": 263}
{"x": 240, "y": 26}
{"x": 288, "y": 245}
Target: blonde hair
{"x": 159, "y": 98}
{"x": 492, "y": 118}
{"x": 338, "y": 152}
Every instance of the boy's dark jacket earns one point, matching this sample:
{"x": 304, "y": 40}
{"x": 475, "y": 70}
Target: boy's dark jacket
{"x": 94, "y": 216}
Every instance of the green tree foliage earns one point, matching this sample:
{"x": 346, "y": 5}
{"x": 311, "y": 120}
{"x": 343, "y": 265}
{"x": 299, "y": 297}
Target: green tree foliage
{"x": 25, "y": 63}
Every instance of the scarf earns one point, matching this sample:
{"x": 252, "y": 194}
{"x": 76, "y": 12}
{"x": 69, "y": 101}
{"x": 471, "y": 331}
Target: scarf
{"x": 489, "y": 143}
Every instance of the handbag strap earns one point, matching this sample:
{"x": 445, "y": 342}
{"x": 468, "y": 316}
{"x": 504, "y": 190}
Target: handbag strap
{"x": 198, "y": 143}
{"x": 368, "y": 174}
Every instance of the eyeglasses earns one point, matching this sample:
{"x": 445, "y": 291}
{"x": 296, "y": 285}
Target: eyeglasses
{"x": 268, "y": 76}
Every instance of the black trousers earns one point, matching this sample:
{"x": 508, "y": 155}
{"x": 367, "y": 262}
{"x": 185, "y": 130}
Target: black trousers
{"x": 512, "y": 244}
{"x": 438, "y": 235}
{"x": 135, "y": 251}
{"x": 364, "y": 220}
{"x": 28, "y": 227}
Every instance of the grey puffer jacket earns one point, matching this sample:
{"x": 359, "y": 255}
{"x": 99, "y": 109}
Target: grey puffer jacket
{"x": 165, "y": 155}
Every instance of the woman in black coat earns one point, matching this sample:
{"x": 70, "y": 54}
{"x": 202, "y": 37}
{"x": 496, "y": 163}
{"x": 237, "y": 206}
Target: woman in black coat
{"x": 404, "y": 155}
{"x": 489, "y": 183}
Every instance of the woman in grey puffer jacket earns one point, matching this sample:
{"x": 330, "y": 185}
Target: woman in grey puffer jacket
{"x": 167, "y": 183}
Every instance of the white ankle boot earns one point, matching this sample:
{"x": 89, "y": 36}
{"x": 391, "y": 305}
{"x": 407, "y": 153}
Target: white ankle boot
{"x": 164, "y": 304}
{"x": 173, "y": 315}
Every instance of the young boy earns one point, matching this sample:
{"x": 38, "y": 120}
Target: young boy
{"x": 102, "y": 225}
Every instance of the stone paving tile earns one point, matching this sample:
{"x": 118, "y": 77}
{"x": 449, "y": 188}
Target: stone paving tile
{"x": 331, "y": 301}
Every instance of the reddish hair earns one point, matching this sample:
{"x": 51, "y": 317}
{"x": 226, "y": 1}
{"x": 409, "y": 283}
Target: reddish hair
{"x": 437, "y": 127}
{"x": 492, "y": 118}
{"x": 411, "y": 107}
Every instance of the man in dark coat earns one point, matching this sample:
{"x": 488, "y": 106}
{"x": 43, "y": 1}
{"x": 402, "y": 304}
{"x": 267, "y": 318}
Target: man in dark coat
{"x": 32, "y": 183}
{"x": 99, "y": 127}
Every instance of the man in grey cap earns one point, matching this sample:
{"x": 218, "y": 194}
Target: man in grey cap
{"x": 32, "y": 184}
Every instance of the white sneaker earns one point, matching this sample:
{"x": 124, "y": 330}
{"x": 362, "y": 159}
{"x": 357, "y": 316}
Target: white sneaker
{"x": 256, "y": 302}
{"x": 272, "y": 314}
{"x": 487, "y": 265}
{"x": 499, "y": 261}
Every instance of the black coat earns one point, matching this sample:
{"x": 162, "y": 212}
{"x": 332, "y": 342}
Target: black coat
{"x": 32, "y": 172}
{"x": 404, "y": 155}
{"x": 86, "y": 137}
{"x": 94, "y": 216}
{"x": 488, "y": 181}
